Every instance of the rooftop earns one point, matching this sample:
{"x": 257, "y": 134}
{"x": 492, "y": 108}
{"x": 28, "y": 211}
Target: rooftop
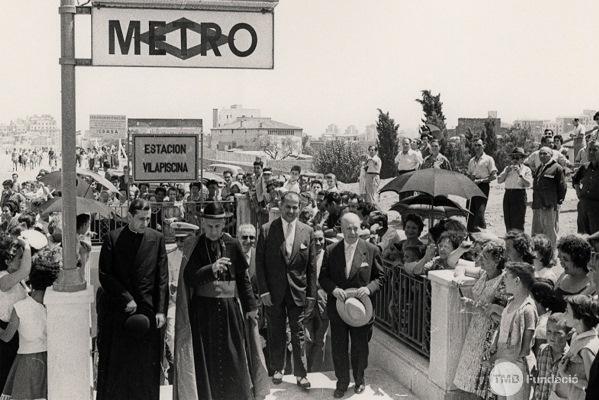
{"x": 256, "y": 123}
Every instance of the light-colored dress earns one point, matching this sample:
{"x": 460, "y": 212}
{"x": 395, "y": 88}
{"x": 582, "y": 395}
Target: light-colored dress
{"x": 472, "y": 374}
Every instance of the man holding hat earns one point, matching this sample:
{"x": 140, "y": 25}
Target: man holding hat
{"x": 351, "y": 273}
{"x": 517, "y": 177}
{"x": 132, "y": 304}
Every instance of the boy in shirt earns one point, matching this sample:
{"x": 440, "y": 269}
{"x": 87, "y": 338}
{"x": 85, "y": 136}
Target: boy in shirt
{"x": 549, "y": 355}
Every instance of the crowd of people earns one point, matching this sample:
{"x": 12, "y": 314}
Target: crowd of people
{"x": 219, "y": 316}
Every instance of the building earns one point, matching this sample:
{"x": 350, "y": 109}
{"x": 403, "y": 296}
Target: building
{"x": 252, "y": 133}
{"x": 476, "y": 126}
{"x": 534, "y": 126}
{"x": 351, "y": 131}
{"x": 227, "y": 116}
{"x": 371, "y": 133}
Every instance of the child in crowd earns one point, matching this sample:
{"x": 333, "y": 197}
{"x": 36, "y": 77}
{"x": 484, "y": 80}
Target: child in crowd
{"x": 583, "y": 315}
{"x": 549, "y": 356}
{"x": 28, "y": 376}
{"x": 518, "y": 320}
{"x": 412, "y": 254}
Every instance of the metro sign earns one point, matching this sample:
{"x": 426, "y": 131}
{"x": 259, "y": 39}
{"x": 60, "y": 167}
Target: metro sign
{"x": 182, "y": 38}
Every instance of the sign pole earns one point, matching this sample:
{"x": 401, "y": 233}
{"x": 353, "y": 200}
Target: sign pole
{"x": 70, "y": 278}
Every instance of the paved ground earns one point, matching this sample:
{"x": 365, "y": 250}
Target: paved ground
{"x": 380, "y": 386}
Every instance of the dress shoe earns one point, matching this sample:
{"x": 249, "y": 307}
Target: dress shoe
{"x": 339, "y": 393}
{"x": 359, "y": 388}
{"x": 277, "y": 377}
{"x": 303, "y": 382}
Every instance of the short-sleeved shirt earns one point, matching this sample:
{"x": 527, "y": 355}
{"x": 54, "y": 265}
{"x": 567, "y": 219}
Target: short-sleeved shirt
{"x": 408, "y": 161}
{"x": 482, "y": 167}
{"x": 587, "y": 176}
{"x": 373, "y": 165}
{"x": 430, "y": 161}
{"x": 534, "y": 162}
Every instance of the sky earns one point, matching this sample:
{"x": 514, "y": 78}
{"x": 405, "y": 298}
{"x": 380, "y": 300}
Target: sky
{"x": 336, "y": 61}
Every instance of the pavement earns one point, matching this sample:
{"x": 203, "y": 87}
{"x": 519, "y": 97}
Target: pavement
{"x": 379, "y": 386}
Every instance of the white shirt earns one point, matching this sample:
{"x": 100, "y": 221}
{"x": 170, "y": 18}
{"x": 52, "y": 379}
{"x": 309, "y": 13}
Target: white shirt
{"x": 289, "y": 238}
{"x": 408, "y": 161}
{"x": 32, "y": 326}
{"x": 319, "y": 258}
{"x": 290, "y": 186}
{"x": 9, "y": 298}
{"x": 514, "y": 179}
{"x": 373, "y": 165}
{"x": 483, "y": 167}
{"x": 350, "y": 250}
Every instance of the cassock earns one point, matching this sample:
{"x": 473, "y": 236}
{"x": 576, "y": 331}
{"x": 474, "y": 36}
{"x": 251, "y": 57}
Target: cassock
{"x": 213, "y": 351}
{"x": 133, "y": 266}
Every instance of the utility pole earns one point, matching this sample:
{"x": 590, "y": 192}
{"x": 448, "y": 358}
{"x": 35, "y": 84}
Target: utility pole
{"x": 70, "y": 278}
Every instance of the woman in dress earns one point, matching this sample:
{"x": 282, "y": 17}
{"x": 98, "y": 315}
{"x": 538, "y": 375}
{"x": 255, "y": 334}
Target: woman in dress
{"x": 446, "y": 245}
{"x": 473, "y": 369}
{"x": 393, "y": 247}
{"x": 574, "y": 253}
{"x": 544, "y": 261}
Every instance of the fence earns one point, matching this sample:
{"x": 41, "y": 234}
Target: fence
{"x": 161, "y": 216}
{"x": 403, "y": 309}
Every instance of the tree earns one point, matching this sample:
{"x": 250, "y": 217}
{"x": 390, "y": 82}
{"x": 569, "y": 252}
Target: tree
{"x": 513, "y": 138}
{"x": 387, "y": 143}
{"x": 305, "y": 141}
{"x": 275, "y": 148}
{"x": 340, "y": 158}
{"x": 432, "y": 107}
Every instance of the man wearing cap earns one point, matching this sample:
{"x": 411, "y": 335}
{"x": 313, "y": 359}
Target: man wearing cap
{"x": 586, "y": 184}
{"x": 351, "y": 273}
{"x": 132, "y": 304}
{"x": 211, "y": 356}
{"x": 372, "y": 179}
{"x": 548, "y": 192}
{"x": 482, "y": 170}
{"x": 517, "y": 178}
{"x": 286, "y": 273}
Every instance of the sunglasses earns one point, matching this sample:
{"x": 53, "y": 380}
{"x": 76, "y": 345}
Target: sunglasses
{"x": 248, "y": 237}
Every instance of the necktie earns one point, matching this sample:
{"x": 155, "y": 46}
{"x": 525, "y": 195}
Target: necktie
{"x": 288, "y": 241}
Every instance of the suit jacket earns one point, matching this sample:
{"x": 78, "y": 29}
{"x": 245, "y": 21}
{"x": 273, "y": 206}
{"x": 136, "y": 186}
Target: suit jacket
{"x": 275, "y": 273}
{"x": 549, "y": 186}
{"x": 146, "y": 282}
{"x": 366, "y": 269}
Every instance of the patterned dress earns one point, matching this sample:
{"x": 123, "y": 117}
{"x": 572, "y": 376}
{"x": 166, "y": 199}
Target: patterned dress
{"x": 472, "y": 374}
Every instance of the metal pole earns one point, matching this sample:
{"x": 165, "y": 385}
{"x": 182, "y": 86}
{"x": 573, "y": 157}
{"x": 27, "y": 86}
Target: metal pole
{"x": 70, "y": 278}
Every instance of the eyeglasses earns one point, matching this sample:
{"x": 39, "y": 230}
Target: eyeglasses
{"x": 319, "y": 239}
{"x": 248, "y": 237}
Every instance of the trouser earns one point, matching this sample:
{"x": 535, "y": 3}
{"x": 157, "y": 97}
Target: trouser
{"x": 371, "y": 186}
{"x": 316, "y": 331}
{"x": 544, "y": 221}
{"x": 405, "y": 194}
{"x": 514, "y": 209}
{"x": 477, "y": 206}
{"x": 341, "y": 333}
{"x": 277, "y": 316}
{"x": 588, "y": 216}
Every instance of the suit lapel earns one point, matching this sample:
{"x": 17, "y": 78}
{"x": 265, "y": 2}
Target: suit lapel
{"x": 142, "y": 252}
{"x": 296, "y": 242}
{"x": 359, "y": 256}
{"x": 278, "y": 227}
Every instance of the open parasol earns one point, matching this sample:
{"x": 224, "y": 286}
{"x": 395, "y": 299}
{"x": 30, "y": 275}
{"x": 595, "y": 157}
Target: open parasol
{"x": 426, "y": 206}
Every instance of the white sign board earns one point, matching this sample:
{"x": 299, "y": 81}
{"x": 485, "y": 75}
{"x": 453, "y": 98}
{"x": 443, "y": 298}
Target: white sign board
{"x": 182, "y": 38}
{"x": 165, "y": 158}
{"x": 108, "y": 126}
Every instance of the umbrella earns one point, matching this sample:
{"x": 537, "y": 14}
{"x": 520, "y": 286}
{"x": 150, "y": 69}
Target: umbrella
{"x": 207, "y": 176}
{"x": 435, "y": 182}
{"x": 84, "y": 206}
{"x": 426, "y": 206}
{"x": 54, "y": 179}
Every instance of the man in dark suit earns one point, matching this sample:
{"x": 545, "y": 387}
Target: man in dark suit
{"x": 548, "y": 192}
{"x": 286, "y": 274}
{"x": 132, "y": 304}
{"x": 351, "y": 263}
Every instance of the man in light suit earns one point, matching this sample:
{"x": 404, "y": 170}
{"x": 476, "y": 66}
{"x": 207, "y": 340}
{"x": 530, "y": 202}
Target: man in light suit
{"x": 351, "y": 263}
{"x": 286, "y": 275}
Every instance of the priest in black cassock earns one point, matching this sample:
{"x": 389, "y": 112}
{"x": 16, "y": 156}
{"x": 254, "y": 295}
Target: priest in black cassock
{"x": 131, "y": 303}
{"x": 213, "y": 349}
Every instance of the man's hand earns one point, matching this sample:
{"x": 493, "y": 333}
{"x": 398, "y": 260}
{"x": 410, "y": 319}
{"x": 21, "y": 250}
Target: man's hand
{"x": 252, "y": 314}
{"x": 220, "y": 265}
{"x": 160, "y": 320}
{"x": 131, "y": 307}
{"x": 340, "y": 294}
{"x": 266, "y": 300}
{"x": 362, "y": 292}
{"x": 309, "y": 308}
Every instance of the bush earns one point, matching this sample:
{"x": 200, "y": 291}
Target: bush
{"x": 340, "y": 158}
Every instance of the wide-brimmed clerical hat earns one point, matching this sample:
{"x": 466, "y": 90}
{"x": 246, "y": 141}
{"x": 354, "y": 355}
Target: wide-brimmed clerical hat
{"x": 215, "y": 211}
{"x": 355, "y": 311}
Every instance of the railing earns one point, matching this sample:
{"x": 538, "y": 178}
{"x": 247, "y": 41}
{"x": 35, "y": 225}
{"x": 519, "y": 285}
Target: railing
{"x": 403, "y": 309}
{"x": 161, "y": 217}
